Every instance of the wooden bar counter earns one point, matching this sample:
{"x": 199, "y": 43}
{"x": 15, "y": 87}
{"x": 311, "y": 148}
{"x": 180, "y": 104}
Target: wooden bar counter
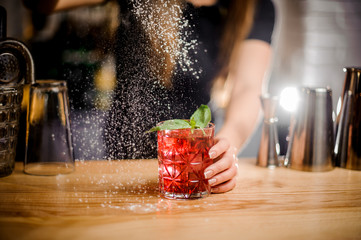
{"x": 120, "y": 200}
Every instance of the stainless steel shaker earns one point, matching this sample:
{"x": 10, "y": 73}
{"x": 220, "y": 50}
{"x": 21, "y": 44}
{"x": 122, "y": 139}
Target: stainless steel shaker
{"x": 311, "y": 132}
{"x": 348, "y": 136}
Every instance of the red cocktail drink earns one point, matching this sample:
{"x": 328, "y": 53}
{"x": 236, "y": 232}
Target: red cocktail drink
{"x": 183, "y": 156}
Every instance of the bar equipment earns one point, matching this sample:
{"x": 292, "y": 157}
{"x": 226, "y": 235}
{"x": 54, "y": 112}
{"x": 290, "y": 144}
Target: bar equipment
{"x": 16, "y": 71}
{"x": 49, "y": 145}
{"x": 311, "y": 132}
{"x": 269, "y": 146}
{"x": 348, "y": 131}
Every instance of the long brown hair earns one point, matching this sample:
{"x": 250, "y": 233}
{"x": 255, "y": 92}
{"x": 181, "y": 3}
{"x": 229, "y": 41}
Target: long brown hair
{"x": 239, "y": 20}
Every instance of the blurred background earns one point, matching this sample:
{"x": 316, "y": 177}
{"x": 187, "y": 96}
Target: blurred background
{"x": 75, "y": 46}
{"x": 313, "y": 40}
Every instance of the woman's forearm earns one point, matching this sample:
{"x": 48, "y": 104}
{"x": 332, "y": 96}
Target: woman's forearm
{"x": 49, "y": 6}
{"x": 252, "y": 61}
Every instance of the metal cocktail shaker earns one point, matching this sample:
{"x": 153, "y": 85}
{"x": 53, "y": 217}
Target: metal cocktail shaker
{"x": 311, "y": 130}
{"x": 348, "y": 137}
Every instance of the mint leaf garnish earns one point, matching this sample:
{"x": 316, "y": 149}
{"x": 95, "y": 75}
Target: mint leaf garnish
{"x": 199, "y": 119}
{"x": 171, "y": 124}
{"x": 202, "y": 116}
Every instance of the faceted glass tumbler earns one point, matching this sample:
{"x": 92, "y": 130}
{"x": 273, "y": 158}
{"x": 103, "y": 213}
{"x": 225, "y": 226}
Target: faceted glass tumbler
{"x": 10, "y": 107}
{"x": 182, "y": 158}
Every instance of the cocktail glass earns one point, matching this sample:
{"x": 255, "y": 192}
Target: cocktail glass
{"x": 183, "y": 157}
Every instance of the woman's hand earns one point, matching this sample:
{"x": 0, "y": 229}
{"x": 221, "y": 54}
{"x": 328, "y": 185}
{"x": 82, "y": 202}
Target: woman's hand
{"x": 222, "y": 173}
{"x": 199, "y": 3}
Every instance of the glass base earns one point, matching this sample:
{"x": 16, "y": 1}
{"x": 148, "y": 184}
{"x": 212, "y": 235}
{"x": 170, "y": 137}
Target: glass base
{"x": 173, "y": 195}
{"x": 48, "y": 168}
{"x": 6, "y": 169}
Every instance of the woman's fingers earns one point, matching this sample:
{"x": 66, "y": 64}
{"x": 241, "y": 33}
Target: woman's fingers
{"x": 224, "y": 176}
{"x": 222, "y": 173}
{"x": 220, "y": 147}
{"x": 224, "y": 187}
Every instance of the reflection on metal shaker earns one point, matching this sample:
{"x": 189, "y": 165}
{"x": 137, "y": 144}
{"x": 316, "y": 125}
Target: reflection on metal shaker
{"x": 348, "y": 136}
{"x": 311, "y": 130}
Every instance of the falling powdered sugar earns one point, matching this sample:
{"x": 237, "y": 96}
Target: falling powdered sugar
{"x": 169, "y": 31}
{"x": 154, "y": 48}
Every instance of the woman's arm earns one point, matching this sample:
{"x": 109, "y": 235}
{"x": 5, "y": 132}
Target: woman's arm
{"x": 49, "y": 6}
{"x": 199, "y": 3}
{"x": 252, "y": 61}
